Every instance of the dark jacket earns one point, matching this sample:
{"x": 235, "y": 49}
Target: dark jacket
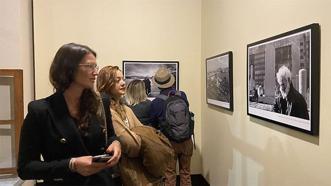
{"x": 294, "y": 105}
{"x": 141, "y": 110}
{"x": 50, "y": 131}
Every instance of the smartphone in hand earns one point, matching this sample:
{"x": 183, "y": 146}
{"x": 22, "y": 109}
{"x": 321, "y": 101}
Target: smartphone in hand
{"x": 101, "y": 158}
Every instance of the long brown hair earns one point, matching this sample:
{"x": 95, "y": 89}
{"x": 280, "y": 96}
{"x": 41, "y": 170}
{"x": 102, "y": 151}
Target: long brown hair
{"x": 62, "y": 73}
{"x": 65, "y": 64}
{"x": 105, "y": 82}
{"x": 106, "y": 78}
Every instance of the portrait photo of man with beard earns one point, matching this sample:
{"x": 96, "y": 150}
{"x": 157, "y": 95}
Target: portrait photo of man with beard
{"x": 283, "y": 79}
{"x": 289, "y": 101}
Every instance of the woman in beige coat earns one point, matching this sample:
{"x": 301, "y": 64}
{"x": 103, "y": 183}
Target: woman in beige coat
{"x": 110, "y": 81}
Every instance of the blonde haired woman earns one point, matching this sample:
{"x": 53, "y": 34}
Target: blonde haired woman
{"x": 137, "y": 100}
{"x": 110, "y": 81}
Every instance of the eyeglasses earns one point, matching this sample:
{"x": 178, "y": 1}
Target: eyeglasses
{"x": 91, "y": 66}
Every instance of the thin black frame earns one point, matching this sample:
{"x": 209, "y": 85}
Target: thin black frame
{"x": 145, "y": 69}
{"x": 225, "y": 101}
{"x": 306, "y": 38}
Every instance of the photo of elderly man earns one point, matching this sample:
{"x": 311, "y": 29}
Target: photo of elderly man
{"x": 289, "y": 101}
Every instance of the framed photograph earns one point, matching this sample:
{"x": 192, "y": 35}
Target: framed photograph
{"x": 283, "y": 79}
{"x": 145, "y": 70}
{"x": 219, "y": 89}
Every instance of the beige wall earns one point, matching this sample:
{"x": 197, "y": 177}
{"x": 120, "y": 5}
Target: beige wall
{"x": 236, "y": 149}
{"x": 16, "y": 41}
{"x": 15, "y": 53}
{"x": 16, "y": 45}
{"x": 239, "y": 150}
{"x": 125, "y": 30}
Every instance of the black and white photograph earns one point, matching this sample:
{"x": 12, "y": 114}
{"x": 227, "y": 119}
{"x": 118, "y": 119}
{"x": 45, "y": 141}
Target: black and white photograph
{"x": 283, "y": 79}
{"x": 219, "y": 80}
{"x": 145, "y": 70}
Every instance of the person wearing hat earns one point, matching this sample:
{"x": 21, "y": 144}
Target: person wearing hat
{"x": 165, "y": 81}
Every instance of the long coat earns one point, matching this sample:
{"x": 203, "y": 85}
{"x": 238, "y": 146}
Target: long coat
{"x": 50, "y": 131}
{"x": 133, "y": 172}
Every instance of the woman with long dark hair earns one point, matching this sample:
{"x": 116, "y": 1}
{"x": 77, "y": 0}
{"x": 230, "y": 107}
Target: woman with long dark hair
{"x": 69, "y": 127}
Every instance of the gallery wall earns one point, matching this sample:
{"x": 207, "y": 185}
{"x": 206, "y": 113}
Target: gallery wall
{"x": 167, "y": 30}
{"x": 16, "y": 51}
{"x": 16, "y": 42}
{"x": 236, "y": 149}
{"x": 241, "y": 150}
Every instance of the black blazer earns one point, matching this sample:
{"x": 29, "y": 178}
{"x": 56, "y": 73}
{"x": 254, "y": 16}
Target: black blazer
{"x": 50, "y": 131}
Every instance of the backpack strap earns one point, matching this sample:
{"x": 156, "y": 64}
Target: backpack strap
{"x": 178, "y": 93}
{"x": 174, "y": 93}
{"x": 193, "y": 140}
{"x": 163, "y": 97}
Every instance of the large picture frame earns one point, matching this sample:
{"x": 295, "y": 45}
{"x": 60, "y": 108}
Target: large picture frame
{"x": 283, "y": 79}
{"x": 219, "y": 82}
{"x": 145, "y": 70}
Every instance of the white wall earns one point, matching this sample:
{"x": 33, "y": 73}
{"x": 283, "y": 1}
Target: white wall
{"x": 15, "y": 53}
{"x": 239, "y": 150}
{"x": 16, "y": 45}
{"x": 125, "y": 30}
{"x": 16, "y": 41}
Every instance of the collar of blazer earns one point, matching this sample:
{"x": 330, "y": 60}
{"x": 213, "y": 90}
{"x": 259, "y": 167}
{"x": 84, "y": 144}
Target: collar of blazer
{"x": 64, "y": 124}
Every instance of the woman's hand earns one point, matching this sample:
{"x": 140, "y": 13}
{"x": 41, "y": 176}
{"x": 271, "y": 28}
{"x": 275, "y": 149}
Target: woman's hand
{"x": 114, "y": 149}
{"x": 85, "y": 167}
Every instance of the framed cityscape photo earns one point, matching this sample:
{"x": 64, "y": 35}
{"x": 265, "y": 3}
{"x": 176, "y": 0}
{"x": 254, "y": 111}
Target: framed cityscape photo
{"x": 283, "y": 79}
{"x": 145, "y": 70}
{"x": 219, "y": 83}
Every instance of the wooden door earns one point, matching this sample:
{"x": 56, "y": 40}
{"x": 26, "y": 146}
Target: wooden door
{"x": 11, "y": 118}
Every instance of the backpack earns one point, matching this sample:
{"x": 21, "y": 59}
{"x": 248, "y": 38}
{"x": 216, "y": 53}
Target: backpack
{"x": 178, "y": 121}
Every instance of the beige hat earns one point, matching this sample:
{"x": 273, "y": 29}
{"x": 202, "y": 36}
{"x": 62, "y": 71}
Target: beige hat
{"x": 163, "y": 78}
